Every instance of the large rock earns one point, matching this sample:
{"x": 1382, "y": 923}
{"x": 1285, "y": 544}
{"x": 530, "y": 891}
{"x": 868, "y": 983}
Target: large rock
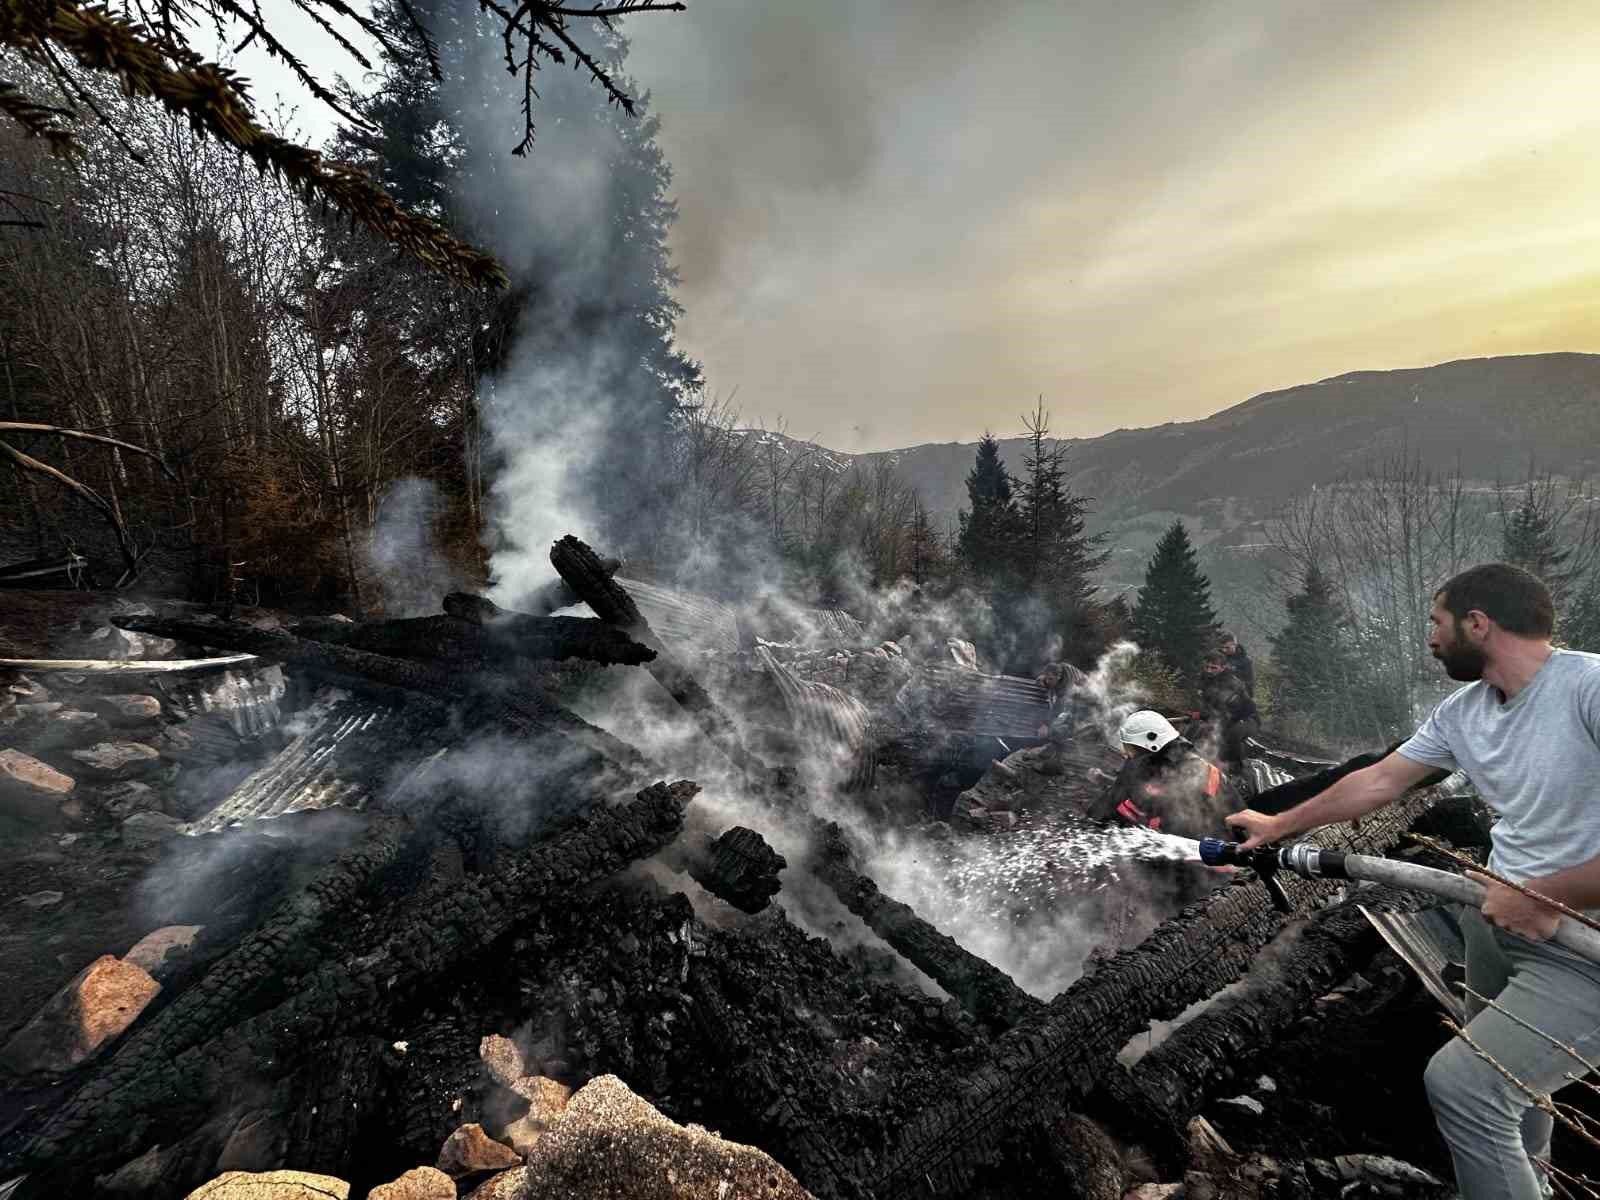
{"x": 547, "y": 1100}
{"x": 271, "y": 1185}
{"x": 470, "y": 1149}
{"x": 117, "y": 759}
{"x": 424, "y": 1183}
{"x": 99, "y": 1003}
{"x": 31, "y": 789}
{"x": 609, "y": 1143}
{"x": 121, "y": 800}
{"x": 160, "y": 951}
{"x": 128, "y": 710}
{"x": 504, "y": 1061}
{"x": 148, "y": 828}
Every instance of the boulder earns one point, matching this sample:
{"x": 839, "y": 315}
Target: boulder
{"x": 31, "y": 789}
{"x": 74, "y": 725}
{"x": 160, "y": 951}
{"x": 423, "y": 1183}
{"x": 99, "y": 1003}
{"x": 508, "y": 1185}
{"x": 148, "y": 828}
{"x": 504, "y": 1061}
{"x": 121, "y": 800}
{"x": 609, "y": 1142}
{"x": 128, "y": 710}
{"x": 117, "y": 759}
{"x": 547, "y": 1100}
{"x": 470, "y": 1149}
{"x": 271, "y": 1185}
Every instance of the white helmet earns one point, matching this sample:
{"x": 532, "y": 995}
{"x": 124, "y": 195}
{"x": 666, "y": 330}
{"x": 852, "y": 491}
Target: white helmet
{"x": 1147, "y": 730}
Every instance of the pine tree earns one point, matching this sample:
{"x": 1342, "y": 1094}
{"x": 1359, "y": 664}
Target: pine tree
{"x": 991, "y": 529}
{"x": 1314, "y": 657}
{"x": 1174, "y": 615}
{"x": 1058, "y": 556}
{"x": 1530, "y": 540}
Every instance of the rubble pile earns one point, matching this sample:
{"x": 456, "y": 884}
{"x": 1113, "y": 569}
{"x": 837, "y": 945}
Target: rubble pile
{"x": 440, "y": 936}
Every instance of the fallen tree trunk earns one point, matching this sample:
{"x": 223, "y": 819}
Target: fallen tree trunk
{"x": 512, "y": 639}
{"x": 1059, "y": 1055}
{"x": 1168, "y": 1086}
{"x": 985, "y": 991}
{"x": 167, "y": 1079}
{"x": 586, "y": 574}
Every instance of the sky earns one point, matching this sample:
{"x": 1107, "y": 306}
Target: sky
{"x": 902, "y": 221}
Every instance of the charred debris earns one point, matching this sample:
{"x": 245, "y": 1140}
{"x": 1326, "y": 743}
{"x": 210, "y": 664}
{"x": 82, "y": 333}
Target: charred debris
{"x": 434, "y": 848}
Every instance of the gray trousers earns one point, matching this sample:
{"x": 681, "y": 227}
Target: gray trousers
{"x": 1491, "y": 1126}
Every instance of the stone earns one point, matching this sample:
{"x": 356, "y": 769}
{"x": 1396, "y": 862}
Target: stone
{"x": 128, "y": 710}
{"x": 39, "y": 710}
{"x": 271, "y": 1185}
{"x": 508, "y": 1185}
{"x": 547, "y": 1100}
{"x": 159, "y": 951}
{"x": 176, "y": 742}
{"x": 423, "y": 1183}
{"x": 504, "y": 1061}
{"x": 100, "y": 1002}
{"x": 74, "y": 724}
{"x": 31, "y": 789}
{"x": 1155, "y": 1191}
{"x": 117, "y": 759}
{"x": 41, "y": 899}
{"x": 1248, "y": 1103}
{"x": 609, "y": 1142}
{"x": 1197, "y": 1185}
{"x": 121, "y": 800}
{"x": 148, "y": 828}
{"x": 470, "y": 1149}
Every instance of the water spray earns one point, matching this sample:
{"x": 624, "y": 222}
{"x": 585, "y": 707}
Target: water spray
{"x": 1315, "y": 862}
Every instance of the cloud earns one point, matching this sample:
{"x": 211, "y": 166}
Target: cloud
{"x": 928, "y": 210}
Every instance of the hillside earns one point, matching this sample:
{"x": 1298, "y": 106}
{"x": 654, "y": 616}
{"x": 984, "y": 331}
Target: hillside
{"x": 1229, "y": 473}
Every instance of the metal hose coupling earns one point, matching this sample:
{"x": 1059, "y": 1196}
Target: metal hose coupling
{"x": 1304, "y": 859}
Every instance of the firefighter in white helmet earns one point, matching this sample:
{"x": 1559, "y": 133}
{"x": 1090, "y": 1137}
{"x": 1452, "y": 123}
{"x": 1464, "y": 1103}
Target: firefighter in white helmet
{"x": 1165, "y": 784}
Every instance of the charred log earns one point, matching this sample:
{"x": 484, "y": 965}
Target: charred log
{"x": 588, "y": 576}
{"x": 167, "y": 1079}
{"x": 511, "y": 639}
{"x": 739, "y": 867}
{"x": 983, "y": 990}
{"x": 1172, "y": 1083}
{"x": 1058, "y": 1055}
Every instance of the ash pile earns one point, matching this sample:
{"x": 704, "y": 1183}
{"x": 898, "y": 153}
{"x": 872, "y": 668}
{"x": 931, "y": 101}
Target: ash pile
{"x": 515, "y": 904}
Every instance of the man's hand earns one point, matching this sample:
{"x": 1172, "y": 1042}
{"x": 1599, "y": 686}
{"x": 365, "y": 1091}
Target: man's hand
{"x": 1259, "y": 827}
{"x": 1510, "y": 909}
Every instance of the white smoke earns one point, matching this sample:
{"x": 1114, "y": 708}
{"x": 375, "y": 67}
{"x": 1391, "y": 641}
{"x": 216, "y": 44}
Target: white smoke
{"x": 402, "y": 550}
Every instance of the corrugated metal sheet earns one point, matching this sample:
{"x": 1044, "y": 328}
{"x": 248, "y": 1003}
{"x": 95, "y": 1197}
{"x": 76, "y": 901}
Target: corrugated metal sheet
{"x": 834, "y": 719}
{"x": 965, "y": 701}
{"x": 684, "y": 620}
{"x": 1430, "y": 942}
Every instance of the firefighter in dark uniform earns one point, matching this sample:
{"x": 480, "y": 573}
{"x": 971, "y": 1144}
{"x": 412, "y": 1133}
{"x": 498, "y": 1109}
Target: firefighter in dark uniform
{"x": 1165, "y": 784}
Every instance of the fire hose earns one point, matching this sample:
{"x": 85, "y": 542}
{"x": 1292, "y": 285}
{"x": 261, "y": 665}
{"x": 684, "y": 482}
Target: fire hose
{"x": 1314, "y": 862}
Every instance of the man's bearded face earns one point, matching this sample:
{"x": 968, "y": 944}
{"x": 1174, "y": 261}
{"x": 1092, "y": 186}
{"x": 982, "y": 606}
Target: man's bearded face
{"x": 1462, "y": 661}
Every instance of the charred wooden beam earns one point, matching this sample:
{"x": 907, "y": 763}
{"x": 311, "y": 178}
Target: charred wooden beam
{"x": 739, "y": 866}
{"x": 985, "y": 991}
{"x": 1058, "y": 1055}
{"x": 1156, "y": 1099}
{"x": 511, "y": 638}
{"x": 166, "y": 1080}
{"x": 587, "y": 574}
{"x": 522, "y": 710}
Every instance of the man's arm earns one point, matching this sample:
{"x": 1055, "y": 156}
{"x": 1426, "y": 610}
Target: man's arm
{"x": 1356, "y": 795}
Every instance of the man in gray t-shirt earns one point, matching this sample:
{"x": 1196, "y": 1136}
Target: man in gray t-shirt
{"x": 1526, "y": 730}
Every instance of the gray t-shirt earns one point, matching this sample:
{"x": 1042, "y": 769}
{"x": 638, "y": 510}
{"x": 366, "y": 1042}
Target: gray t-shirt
{"x": 1535, "y": 761}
